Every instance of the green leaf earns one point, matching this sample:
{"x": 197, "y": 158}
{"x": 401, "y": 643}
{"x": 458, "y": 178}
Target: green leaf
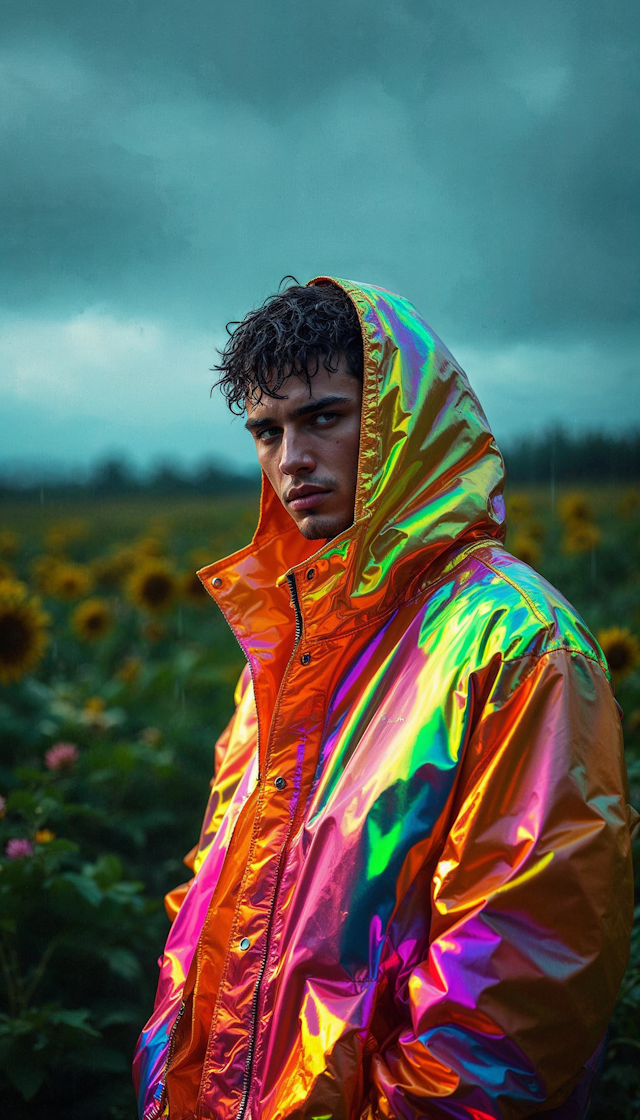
{"x": 124, "y": 892}
{"x": 60, "y": 846}
{"x": 29, "y": 774}
{"x": 77, "y": 1018}
{"x": 22, "y": 801}
{"x": 118, "y": 1017}
{"x": 24, "y": 1074}
{"x": 123, "y": 962}
{"x": 103, "y": 1058}
{"x": 107, "y": 871}
{"x": 85, "y": 886}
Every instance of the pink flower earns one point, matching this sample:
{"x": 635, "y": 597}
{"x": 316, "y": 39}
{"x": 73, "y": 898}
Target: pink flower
{"x": 61, "y": 756}
{"x": 18, "y": 848}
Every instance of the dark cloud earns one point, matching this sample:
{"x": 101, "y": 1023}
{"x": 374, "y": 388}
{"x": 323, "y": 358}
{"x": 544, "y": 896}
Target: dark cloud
{"x": 172, "y": 162}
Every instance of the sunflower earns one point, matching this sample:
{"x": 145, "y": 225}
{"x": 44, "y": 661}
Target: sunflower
{"x": 129, "y": 671}
{"x": 70, "y": 581}
{"x": 58, "y": 537}
{"x": 92, "y": 619}
{"x": 580, "y": 537}
{"x": 23, "y": 631}
{"x": 536, "y": 530}
{"x": 6, "y": 571}
{"x": 94, "y": 705}
{"x": 152, "y": 586}
{"x": 9, "y": 542}
{"x": 628, "y": 506}
{"x": 200, "y": 557}
{"x": 42, "y": 572}
{"x": 526, "y": 548}
{"x": 621, "y": 649}
{"x": 111, "y": 571}
{"x": 159, "y": 526}
{"x": 192, "y": 590}
{"x": 519, "y": 507}
{"x": 147, "y": 547}
{"x": 575, "y": 507}
{"x": 95, "y": 714}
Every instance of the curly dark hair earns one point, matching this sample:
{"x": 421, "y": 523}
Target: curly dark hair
{"x": 290, "y": 334}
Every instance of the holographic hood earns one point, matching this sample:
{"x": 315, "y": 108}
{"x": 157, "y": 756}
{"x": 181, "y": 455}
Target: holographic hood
{"x": 412, "y": 893}
{"x": 430, "y": 478}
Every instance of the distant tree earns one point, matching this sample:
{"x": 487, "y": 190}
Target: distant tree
{"x": 114, "y": 476}
{"x": 168, "y": 478}
{"x": 558, "y": 456}
{"x": 554, "y": 456}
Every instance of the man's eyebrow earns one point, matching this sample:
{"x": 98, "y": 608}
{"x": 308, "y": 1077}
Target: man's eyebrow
{"x": 264, "y": 421}
{"x": 303, "y": 410}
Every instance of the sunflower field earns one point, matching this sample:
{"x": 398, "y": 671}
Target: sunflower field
{"x": 116, "y": 677}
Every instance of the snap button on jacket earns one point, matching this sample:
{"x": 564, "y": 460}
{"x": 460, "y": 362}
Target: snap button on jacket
{"x": 412, "y": 894}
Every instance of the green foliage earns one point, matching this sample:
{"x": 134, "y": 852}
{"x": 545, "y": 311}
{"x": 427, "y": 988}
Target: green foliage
{"x": 82, "y": 921}
{"x": 618, "y": 1093}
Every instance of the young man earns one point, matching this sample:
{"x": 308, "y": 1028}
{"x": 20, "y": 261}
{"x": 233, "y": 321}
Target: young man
{"x": 413, "y": 889}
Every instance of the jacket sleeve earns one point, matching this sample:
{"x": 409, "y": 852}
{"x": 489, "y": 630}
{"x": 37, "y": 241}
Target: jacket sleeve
{"x": 233, "y": 751}
{"x": 531, "y": 907}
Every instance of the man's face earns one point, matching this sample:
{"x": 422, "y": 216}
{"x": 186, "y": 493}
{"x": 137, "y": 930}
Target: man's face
{"x": 307, "y": 446}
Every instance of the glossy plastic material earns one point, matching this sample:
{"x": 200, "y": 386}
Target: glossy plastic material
{"x": 438, "y": 900}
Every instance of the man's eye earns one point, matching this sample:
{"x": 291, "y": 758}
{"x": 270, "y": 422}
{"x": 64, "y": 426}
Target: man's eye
{"x": 268, "y": 433}
{"x": 322, "y": 418}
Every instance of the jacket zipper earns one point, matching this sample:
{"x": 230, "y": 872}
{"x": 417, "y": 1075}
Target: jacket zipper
{"x": 255, "y": 1004}
{"x": 172, "y": 1040}
{"x": 295, "y": 602}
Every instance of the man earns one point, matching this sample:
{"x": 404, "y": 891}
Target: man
{"x": 413, "y": 885}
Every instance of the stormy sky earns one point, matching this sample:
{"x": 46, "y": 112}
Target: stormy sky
{"x": 165, "y": 164}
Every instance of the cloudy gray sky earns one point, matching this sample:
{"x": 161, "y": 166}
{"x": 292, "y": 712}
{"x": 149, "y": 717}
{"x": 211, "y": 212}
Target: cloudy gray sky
{"x": 167, "y": 163}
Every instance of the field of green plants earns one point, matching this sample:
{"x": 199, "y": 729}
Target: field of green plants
{"x": 116, "y": 677}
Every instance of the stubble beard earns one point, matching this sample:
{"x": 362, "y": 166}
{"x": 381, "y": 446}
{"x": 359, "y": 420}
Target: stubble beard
{"x": 323, "y": 528}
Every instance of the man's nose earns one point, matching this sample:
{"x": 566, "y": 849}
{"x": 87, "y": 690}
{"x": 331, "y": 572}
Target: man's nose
{"x": 295, "y": 454}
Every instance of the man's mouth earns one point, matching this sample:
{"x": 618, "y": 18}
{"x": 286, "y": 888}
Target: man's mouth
{"x": 306, "y": 497}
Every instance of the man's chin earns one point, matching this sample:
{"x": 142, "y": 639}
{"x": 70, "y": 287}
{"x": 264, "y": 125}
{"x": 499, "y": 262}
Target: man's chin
{"x": 318, "y": 528}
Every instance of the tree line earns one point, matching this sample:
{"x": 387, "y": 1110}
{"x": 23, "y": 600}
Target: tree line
{"x": 553, "y": 456}
{"x": 589, "y": 457}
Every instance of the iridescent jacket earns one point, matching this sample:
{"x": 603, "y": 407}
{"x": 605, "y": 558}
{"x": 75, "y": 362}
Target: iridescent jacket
{"x": 412, "y": 892}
